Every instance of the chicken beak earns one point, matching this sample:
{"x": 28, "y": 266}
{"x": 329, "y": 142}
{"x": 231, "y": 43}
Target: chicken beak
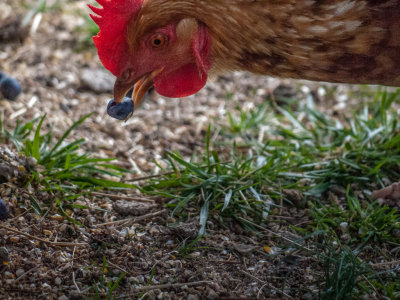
{"x": 142, "y": 85}
{"x": 121, "y": 87}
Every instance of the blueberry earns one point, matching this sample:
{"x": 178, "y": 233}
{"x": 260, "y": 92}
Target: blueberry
{"x": 120, "y": 111}
{"x": 10, "y": 87}
{"x": 4, "y": 210}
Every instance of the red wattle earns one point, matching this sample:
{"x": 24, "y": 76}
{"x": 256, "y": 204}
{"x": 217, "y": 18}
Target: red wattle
{"x": 183, "y": 82}
{"x": 192, "y": 77}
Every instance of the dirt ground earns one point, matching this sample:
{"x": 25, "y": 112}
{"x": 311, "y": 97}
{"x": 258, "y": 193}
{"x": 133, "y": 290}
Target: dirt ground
{"x": 51, "y": 258}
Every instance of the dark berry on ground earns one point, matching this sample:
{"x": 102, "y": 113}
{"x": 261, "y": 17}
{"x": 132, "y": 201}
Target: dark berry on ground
{"x": 10, "y": 87}
{"x": 4, "y": 210}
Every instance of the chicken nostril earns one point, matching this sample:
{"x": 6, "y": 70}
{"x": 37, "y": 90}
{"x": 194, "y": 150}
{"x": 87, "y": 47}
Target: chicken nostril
{"x": 127, "y": 75}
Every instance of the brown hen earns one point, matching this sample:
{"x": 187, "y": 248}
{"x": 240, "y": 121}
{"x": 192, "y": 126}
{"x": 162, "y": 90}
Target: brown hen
{"x": 176, "y": 44}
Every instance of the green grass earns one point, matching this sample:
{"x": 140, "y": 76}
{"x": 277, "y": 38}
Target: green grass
{"x": 233, "y": 180}
{"x": 63, "y": 170}
{"x": 105, "y": 287}
{"x": 342, "y": 270}
{"x": 246, "y": 174}
{"x": 62, "y": 161}
{"x": 39, "y": 8}
{"x": 86, "y": 31}
{"x": 220, "y": 188}
{"x": 348, "y": 276}
{"x": 243, "y": 176}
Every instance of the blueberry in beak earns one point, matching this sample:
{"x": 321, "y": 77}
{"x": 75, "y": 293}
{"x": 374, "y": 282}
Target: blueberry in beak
{"x": 122, "y": 110}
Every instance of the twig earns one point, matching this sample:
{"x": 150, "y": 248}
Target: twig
{"x": 27, "y": 272}
{"x": 133, "y": 220}
{"x": 269, "y": 285}
{"x": 301, "y": 223}
{"x": 260, "y": 290}
{"x": 16, "y": 217}
{"x": 233, "y": 262}
{"x": 281, "y": 198}
{"x": 387, "y": 263}
{"x": 117, "y": 197}
{"x": 173, "y": 172}
{"x": 277, "y": 234}
{"x": 242, "y": 298}
{"x": 150, "y": 176}
{"x": 73, "y": 273}
{"x": 61, "y": 244}
{"x": 172, "y": 285}
{"x": 369, "y": 282}
{"x": 117, "y": 267}
{"x": 281, "y": 217}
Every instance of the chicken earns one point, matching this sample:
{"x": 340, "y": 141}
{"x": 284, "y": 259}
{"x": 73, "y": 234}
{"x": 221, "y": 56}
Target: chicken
{"x": 176, "y": 45}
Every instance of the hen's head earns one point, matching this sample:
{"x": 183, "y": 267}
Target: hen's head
{"x": 172, "y": 56}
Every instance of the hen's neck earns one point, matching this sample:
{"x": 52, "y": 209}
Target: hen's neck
{"x": 353, "y": 41}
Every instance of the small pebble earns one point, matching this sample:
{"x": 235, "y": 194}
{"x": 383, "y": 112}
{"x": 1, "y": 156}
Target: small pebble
{"x": 57, "y": 217}
{"x": 244, "y": 249}
{"x": 136, "y": 279}
{"x": 46, "y": 286}
{"x": 196, "y": 254}
{"x": 343, "y": 226}
{"x": 31, "y": 161}
{"x": 20, "y": 272}
{"x": 104, "y": 82}
{"x": 396, "y": 233}
{"x": 153, "y": 231}
{"x": 345, "y": 237}
{"x": 14, "y": 239}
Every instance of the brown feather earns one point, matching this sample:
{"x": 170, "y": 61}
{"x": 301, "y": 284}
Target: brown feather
{"x": 352, "y": 41}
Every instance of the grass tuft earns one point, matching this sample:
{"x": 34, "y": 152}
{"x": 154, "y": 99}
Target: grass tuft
{"x": 62, "y": 168}
{"x": 342, "y": 271}
{"x": 358, "y": 222}
{"x": 62, "y": 161}
{"x": 220, "y": 189}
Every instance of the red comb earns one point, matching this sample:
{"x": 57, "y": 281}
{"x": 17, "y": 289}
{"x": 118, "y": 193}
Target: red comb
{"x": 113, "y": 19}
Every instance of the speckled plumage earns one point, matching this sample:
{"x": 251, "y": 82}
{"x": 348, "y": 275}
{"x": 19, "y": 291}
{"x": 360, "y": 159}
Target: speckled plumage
{"x": 349, "y": 41}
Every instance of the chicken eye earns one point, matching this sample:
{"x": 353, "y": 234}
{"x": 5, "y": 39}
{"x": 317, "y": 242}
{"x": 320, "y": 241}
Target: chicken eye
{"x": 158, "y": 40}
